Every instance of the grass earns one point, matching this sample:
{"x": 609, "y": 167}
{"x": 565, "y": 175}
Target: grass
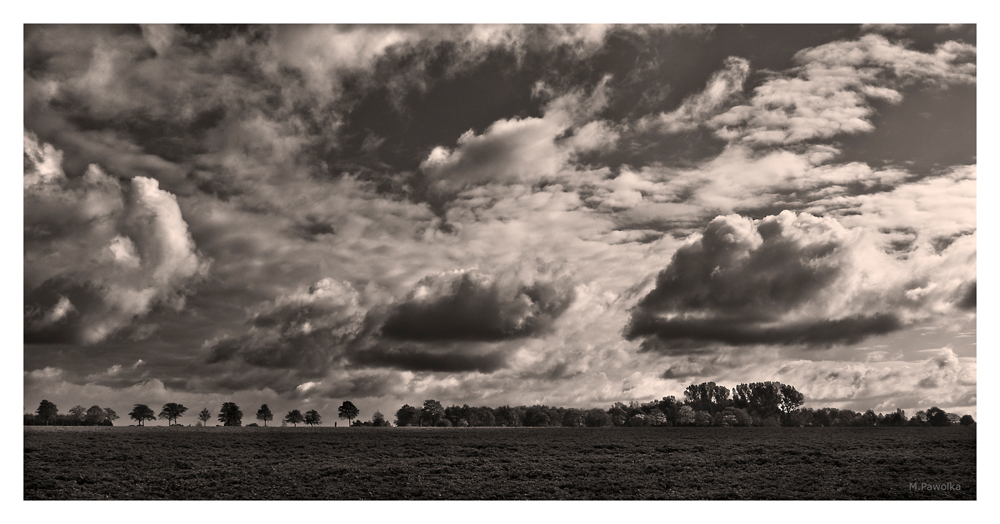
{"x": 177, "y": 463}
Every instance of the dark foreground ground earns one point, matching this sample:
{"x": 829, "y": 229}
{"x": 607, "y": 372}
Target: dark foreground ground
{"x": 498, "y": 463}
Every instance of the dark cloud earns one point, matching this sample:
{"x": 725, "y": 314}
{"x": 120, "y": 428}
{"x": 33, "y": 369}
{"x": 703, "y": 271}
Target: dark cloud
{"x": 471, "y": 306}
{"x": 968, "y": 299}
{"x": 411, "y": 359}
{"x": 745, "y": 283}
{"x": 307, "y": 331}
{"x": 684, "y": 335}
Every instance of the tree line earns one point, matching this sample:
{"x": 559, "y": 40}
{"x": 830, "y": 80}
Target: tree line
{"x": 230, "y": 414}
{"x": 705, "y": 404}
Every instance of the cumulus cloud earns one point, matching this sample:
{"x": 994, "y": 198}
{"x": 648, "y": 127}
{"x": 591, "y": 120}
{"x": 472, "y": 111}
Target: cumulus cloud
{"x": 828, "y": 93}
{"x": 723, "y": 87}
{"x": 523, "y": 150}
{"x": 307, "y": 330}
{"x": 97, "y": 254}
{"x": 787, "y": 280}
{"x": 473, "y": 306}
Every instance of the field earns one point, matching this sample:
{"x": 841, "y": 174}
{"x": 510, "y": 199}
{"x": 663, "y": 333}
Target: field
{"x": 497, "y": 463}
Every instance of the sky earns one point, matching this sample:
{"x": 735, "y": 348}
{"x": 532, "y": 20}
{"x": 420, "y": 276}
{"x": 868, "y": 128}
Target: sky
{"x": 488, "y": 214}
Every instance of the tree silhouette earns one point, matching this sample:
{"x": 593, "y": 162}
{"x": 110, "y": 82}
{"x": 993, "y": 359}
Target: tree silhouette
{"x": 79, "y": 412}
{"x": 312, "y": 417}
{"x": 110, "y": 415}
{"x": 141, "y": 413}
{"x": 431, "y": 413}
{"x": 406, "y": 415}
{"x": 294, "y": 417}
{"x": 967, "y": 420}
{"x": 231, "y": 415}
{"x": 264, "y": 413}
{"x": 348, "y": 411}
{"x": 47, "y": 411}
{"x": 938, "y": 417}
{"x": 95, "y": 415}
{"x": 205, "y": 416}
{"x": 172, "y": 411}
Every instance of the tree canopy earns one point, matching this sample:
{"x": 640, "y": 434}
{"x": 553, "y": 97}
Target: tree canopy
{"x": 172, "y": 411}
{"x": 294, "y": 417}
{"x": 47, "y": 411}
{"x": 312, "y": 418}
{"x": 141, "y": 413}
{"x": 230, "y": 415}
{"x": 264, "y": 414}
{"x": 348, "y": 410}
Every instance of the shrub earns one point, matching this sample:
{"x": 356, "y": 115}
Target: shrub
{"x": 444, "y": 423}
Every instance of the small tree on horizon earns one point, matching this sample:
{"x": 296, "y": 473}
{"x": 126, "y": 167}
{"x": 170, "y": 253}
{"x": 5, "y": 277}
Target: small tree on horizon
{"x": 230, "y": 415}
{"x": 95, "y": 415}
{"x": 264, "y": 413}
{"x": 79, "y": 412}
{"x": 312, "y": 417}
{"x": 110, "y": 415}
{"x": 172, "y": 411}
{"x": 294, "y": 417}
{"x": 205, "y": 416}
{"x": 47, "y": 411}
{"x": 141, "y": 413}
{"x": 967, "y": 420}
{"x": 348, "y": 410}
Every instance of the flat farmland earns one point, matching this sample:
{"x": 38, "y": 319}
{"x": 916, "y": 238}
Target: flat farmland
{"x": 177, "y": 463}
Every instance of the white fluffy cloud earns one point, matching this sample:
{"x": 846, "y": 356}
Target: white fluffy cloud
{"x": 791, "y": 279}
{"x": 523, "y": 150}
{"x": 828, "y": 93}
{"x": 97, "y": 254}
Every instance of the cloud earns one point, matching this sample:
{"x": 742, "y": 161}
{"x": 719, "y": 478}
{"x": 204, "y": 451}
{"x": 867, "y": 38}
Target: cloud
{"x": 472, "y": 306}
{"x": 416, "y": 360}
{"x": 722, "y": 88}
{"x": 523, "y": 150}
{"x": 306, "y": 331}
{"x": 97, "y": 254}
{"x": 828, "y": 92}
{"x": 787, "y": 280}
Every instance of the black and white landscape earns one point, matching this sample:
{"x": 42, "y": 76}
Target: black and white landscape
{"x": 542, "y": 225}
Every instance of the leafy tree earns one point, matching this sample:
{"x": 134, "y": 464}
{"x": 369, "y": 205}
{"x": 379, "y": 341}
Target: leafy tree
{"x": 110, "y": 415}
{"x": 264, "y": 413}
{"x": 638, "y": 420}
{"x": 141, "y": 413}
{"x": 573, "y": 418}
{"x": 406, "y": 415}
{"x": 78, "y": 412}
{"x": 378, "y": 419}
{"x": 966, "y": 420}
{"x": 172, "y": 411}
{"x": 431, "y": 413}
{"x": 656, "y": 417}
{"x": 937, "y": 417}
{"x": 707, "y": 397}
{"x": 537, "y": 416}
{"x": 767, "y": 399}
{"x": 685, "y": 416}
{"x": 47, "y": 411}
{"x": 205, "y": 416}
{"x": 231, "y": 415}
{"x": 312, "y": 417}
{"x": 348, "y": 411}
{"x": 294, "y": 417}
{"x": 618, "y": 414}
{"x": 95, "y": 415}
{"x": 597, "y": 418}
